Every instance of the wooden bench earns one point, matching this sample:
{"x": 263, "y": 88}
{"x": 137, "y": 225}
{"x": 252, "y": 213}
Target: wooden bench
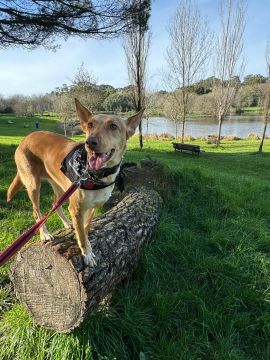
{"x": 194, "y": 149}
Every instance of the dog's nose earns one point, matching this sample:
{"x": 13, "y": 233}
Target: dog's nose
{"x": 92, "y": 142}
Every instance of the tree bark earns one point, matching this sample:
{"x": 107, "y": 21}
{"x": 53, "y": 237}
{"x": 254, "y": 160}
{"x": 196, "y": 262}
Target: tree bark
{"x": 263, "y": 136}
{"x": 220, "y": 120}
{"x": 140, "y": 135}
{"x": 51, "y": 280}
{"x": 183, "y": 130}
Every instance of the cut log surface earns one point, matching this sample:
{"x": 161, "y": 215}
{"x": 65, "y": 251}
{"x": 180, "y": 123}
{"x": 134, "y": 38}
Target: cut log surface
{"x": 50, "y": 278}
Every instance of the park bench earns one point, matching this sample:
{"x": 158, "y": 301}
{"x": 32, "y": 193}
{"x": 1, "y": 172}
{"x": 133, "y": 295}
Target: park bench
{"x": 194, "y": 149}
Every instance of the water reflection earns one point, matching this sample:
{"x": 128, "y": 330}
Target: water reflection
{"x": 239, "y": 125}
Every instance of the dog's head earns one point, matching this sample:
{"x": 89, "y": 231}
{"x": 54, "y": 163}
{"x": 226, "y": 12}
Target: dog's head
{"x": 106, "y": 136}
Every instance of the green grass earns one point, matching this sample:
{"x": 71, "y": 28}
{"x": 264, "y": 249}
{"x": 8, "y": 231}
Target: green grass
{"x": 201, "y": 290}
{"x": 252, "y": 109}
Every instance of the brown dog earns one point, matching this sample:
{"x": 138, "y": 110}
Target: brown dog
{"x": 43, "y": 155}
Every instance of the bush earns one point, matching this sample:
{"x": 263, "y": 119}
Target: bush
{"x": 188, "y": 138}
{"x": 231, "y": 137}
{"x": 162, "y": 136}
{"x": 253, "y": 136}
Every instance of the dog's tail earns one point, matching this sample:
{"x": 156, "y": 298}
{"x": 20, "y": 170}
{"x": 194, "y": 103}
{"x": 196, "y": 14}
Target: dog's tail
{"x": 14, "y": 187}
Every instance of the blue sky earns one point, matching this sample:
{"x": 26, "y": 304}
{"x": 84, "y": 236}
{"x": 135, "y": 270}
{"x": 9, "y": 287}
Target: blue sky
{"x": 40, "y": 71}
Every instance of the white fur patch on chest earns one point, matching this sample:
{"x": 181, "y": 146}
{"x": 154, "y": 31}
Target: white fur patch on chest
{"x": 95, "y": 198}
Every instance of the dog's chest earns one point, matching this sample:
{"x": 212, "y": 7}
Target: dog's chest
{"x": 95, "y": 198}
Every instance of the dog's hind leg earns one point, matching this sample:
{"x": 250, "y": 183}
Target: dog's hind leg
{"x": 30, "y": 176}
{"x": 33, "y": 190}
{"x": 14, "y": 187}
{"x": 58, "y": 191}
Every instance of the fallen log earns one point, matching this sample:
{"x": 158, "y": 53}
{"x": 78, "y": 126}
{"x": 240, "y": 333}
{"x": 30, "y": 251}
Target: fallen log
{"x": 51, "y": 280}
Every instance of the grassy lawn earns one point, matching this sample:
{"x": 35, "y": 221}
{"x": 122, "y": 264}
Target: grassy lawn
{"x": 252, "y": 109}
{"x": 202, "y": 287}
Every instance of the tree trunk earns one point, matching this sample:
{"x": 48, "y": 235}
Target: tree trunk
{"x": 140, "y": 135}
{"x": 50, "y": 278}
{"x": 183, "y": 130}
{"x": 185, "y": 100}
{"x": 264, "y": 132}
{"x": 65, "y": 127}
{"x": 220, "y": 119}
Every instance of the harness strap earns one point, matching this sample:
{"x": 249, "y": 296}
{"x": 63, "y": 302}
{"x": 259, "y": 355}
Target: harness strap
{"x": 75, "y": 164}
{"x": 93, "y": 183}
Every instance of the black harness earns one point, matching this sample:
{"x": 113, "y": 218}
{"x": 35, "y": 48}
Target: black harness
{"x": 75, "y": 165}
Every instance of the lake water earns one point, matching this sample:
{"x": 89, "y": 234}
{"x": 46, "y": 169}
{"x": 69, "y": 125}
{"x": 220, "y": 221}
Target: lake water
{"x": 239, "y": 125}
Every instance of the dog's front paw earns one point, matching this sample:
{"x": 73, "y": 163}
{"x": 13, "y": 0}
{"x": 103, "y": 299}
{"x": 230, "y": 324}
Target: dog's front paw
{"x": 89, "y": 259}
{"x": 68, "y": 225}
{"x": 46, "y": 236}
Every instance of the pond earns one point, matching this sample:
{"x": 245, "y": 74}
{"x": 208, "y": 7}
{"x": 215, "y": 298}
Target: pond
{"x": 238, "y": 125}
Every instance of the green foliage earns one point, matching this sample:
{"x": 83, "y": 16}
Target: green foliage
{"x": 254, "y": 79}
{"x": 118, "y": 102}
{"x": 201, "y": 290}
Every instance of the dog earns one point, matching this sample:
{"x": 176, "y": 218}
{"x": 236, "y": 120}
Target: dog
{"x": 45, "y": 155}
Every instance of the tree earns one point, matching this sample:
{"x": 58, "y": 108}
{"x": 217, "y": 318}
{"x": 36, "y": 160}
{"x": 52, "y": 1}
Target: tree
{"x": 23, "y": 106}
{"x": 136, "y": 46}
{"x": 64, "y": 106}
{"x": 41, "y": 103}
{"x": 31, "y": 23}
{"x": 266, "y": 96}
{"x": 228, "y": 52}
{"x": 187, "y": 54}
{"x": 84, "y": 87}
{"x": 203, "y": 104}
{"x": 118, "y": 101}
{"x": 249, "y": 95}
{"x": 149, "y": 101}
{"x": 254, "y": 79}
{"x": 171, "y": 110}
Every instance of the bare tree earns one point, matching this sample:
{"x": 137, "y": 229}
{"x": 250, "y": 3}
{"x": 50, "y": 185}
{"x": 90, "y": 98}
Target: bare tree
{"x": 148, "y": 101}
{"x": 172, "y": 109}
{"x": 84, "y": 87}
{"x": 228, "y": 63}
{"x": 32, "y": 23}
{"x": 23, "y": 106}
{"x": 41, "y": 103}
{"x": 136, "y": 46}
{"x": 64, "y": 106}
{"x": 267, "y": 58}
{"x": 266, "y": 96}
{"x": 187, "y": 55}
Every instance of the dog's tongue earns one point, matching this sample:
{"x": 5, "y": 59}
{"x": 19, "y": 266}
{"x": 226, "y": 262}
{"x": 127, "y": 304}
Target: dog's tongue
{"x": 97, "y": 161}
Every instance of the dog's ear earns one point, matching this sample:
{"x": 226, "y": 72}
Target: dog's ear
{"x": 132, "y": 123}
{"x": 83, "y": 113}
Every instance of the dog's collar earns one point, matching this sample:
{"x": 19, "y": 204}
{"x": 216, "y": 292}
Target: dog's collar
{"x": 75, "y": 167}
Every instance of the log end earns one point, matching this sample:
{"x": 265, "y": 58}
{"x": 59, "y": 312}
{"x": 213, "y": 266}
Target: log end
{"x": 49, "y": 287}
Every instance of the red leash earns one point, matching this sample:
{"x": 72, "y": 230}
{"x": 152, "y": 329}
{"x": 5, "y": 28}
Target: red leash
{"x": 29, "y": 233}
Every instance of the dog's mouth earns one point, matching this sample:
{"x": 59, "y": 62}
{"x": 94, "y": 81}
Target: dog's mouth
{"x": 97, "y": 160}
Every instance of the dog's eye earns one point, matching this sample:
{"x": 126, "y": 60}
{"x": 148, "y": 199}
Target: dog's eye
{"x": 113, "y": 127}
{"x": 90, "y": 125}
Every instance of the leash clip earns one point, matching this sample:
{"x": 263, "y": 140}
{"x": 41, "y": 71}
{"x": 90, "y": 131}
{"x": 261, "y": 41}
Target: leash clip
{"x": 83, "y": 177}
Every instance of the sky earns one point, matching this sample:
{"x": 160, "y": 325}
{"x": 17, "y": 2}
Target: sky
{"x": 40, "y": 71}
